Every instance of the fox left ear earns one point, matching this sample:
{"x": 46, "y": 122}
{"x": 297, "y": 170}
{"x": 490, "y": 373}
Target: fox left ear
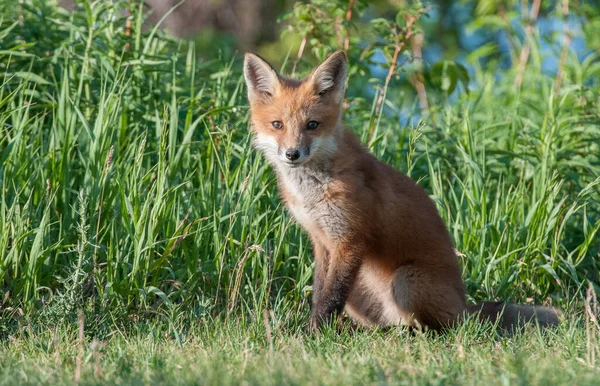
{"x": 330, "y": 76}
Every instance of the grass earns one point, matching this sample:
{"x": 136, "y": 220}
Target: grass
{"x": 228, "y": 353}
{"x": 130, "y": 191}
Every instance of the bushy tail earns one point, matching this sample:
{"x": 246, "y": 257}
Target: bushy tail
{"x": 511, "y": 316}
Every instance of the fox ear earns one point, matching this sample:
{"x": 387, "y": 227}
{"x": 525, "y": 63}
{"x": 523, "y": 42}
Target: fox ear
{"x": 330, "y": 76}
{"x": 261, "y": 78}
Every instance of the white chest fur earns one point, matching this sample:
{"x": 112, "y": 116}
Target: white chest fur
{"x": 309, "y": 203}
{"x": 301, "y": 214}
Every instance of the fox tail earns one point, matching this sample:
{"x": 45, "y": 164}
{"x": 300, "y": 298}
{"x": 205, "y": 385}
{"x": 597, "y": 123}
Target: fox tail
{"x": 511, "y": 316}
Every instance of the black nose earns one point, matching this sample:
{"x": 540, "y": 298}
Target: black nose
{"x": 292, "y": 154}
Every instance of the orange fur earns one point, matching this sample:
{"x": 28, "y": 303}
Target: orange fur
{"x": 382, "y": 252}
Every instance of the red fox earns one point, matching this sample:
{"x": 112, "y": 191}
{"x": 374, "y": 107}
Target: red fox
{"x": 382, "y": 252}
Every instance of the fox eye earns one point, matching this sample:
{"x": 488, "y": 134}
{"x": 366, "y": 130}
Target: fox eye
{"x": 312, "y": 125}
{"x": 277, "y": 124}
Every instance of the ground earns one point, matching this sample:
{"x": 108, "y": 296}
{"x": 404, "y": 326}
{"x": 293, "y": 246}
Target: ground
{"x": 234, "y": 352}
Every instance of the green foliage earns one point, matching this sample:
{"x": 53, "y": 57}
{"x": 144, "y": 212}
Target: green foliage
{"x": 129, "y": 183}
{"x": 445, "y": 75}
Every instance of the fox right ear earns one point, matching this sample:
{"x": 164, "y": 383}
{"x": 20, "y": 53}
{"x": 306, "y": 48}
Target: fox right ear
{"x": 261, "y": 78}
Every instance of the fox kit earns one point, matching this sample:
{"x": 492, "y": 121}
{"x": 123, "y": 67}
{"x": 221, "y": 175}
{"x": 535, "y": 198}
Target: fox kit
{"x": 382, "y": 252}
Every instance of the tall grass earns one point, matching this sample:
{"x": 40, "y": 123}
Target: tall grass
{"x": 128, "y": 181}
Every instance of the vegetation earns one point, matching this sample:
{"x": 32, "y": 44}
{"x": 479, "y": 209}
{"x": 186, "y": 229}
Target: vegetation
{"x": 134, "y": 211}
{"x": 232, "y": 353}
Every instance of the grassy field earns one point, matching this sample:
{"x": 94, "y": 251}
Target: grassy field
{"x": 213, "y": 352}
{"x": 130, "y": 195}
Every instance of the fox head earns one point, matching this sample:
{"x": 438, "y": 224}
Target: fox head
{"x": 295, "y": 122}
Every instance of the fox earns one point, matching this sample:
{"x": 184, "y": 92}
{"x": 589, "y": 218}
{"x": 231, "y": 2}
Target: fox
{"x": 382, "y": 253}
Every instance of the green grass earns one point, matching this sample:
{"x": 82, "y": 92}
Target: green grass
{"x": 213, "y": 352}
{"x": 129, "y": 190}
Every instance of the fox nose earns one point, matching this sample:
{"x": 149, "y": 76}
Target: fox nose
{"x": 292, "y": 154}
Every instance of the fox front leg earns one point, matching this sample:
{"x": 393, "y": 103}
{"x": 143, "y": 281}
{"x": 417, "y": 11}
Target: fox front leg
{"x": 321, "y": 255}
{"x": 334, "y": 286}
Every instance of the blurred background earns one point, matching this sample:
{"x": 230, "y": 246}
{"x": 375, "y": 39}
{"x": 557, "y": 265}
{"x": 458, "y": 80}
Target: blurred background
{"x": 449, "y": 41}
{"x": 247, "y": 22}
{"x": 453, "y": 27}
